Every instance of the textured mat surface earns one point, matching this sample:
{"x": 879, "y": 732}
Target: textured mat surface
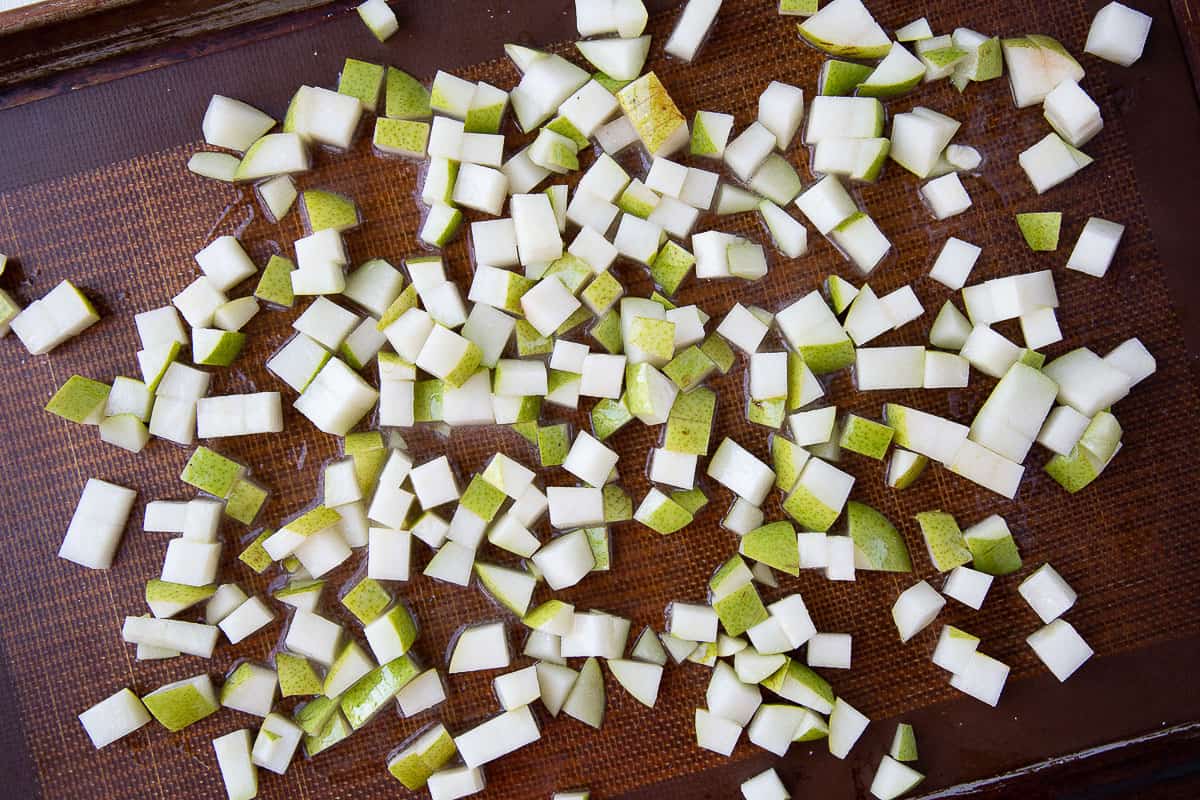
{"x": 126, "y": 232}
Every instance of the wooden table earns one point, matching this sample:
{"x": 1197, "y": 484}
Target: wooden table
{"x": 93, "y": 187}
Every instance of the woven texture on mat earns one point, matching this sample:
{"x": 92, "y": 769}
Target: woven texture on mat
{"x": 127, "y": 233}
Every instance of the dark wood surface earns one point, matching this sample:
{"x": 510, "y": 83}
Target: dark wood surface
{"x": 123, "y": 216}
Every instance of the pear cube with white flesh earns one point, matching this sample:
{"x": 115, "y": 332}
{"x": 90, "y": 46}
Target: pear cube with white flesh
{"x": 843, "y": 117}
{"x": 620, "y": 59}
{"x": 452, "y": 783}
{"x": 954, "y": 649}
{"x": 1051, "y": 161}
{"x": 1072, "y": 113}
{"x": 1036, "y": 66}
{"x": 846, "y": 725}
{"x": 480, "y": 647}
{"x": 1097, "y": 244}
{"x": 747, "y": 152}
{"x": 764, "y": 786}
{"x": 1060, "y": 647}
{"x": 989, "y": 352}
{"x": 1011, "y": 418}
{"x": 498, "y": 737}
{"x": 867, "y": 318}
{"x": 97, "y": 524}
{"x": 915, "y": 608}
{"x": 830, "y": 650}
{"x": 892, "y": 779}
{"x": 716, "y": 733}
{"x": 246, "y": 619}
{"x": 182, "y": 703}
{"x": 314, "y": 637}
{"x": 238, "y": 772}
{"x": 1047, "y": 593}
{"x": 638, "y": 678}
{"x": 774, "y": 727}
{"x": 946, "y": 371}
{"x": 740, "y": 471}
{"x": 250, "y": 688}
{"x": 954, "y": 263}
{"x": 696, "y": 623}
{"x": 388, "y": 554}
{"x": 1062, "y": 429}
{"x": 935, "y": 437}
{"x": 548, "y": 305}
{"x": 1132, "y": 358}
{"x": 878, "y": 368}
{"x": 743, "y": 517}
{"x": 946, "y": 196}
{"x": 710, "y": 134}
{"x": 742, "y": 329}
{"x": 326, "y": 117}
{"x": 1118, "y": 34}
{"x": 950, "y": 329}
{"x": 169, "y": 634}
{"x": 114, "y": 718}
{"x": 983, "y": 678}
{"x": 586, "y": 701}
{"x": 276, "y": 743}
{"x": 692, "y": 28}
{"x": 566, "y": 560}
{"x": 379, "y": 18}
{"x": 273, "y": 155}
{"x": 421, "y": 693}
{"x": 812, "y": 329}
{"x": 451, "y": 563}
{"x": 1086, "y": 382}
{"x": 781, "y": 109}
{"x": 337, "y": 398}
{"x": 846, "y": 28}
{"x": 789, "y": 234}
{"x": 225, "y": 601}
{"x": 232, "y": 124}
{"x": 968, "y": 586}
{"x": 225, "y": 263}
{"x": 856, "y": 159}
{"x": 46, "y": 323}
{"x": 861, "y": 241}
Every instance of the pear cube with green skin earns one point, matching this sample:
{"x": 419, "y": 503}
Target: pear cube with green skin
{"x": 788, "y": 460}
{"x": 904, "y": 468}
{"x": 441, "y": 224}
{"x": 602, "y": 293}
{"x": 167, "y": 599}
{"x": 940, "y": 56}
{"x": 586, "y": 701}
{"x": 741, "y": 610}
{"x": 335, "y": 730}
{"x": 796, "y": 682}
{"x": 211, "y": 472}
{"x": 774, "y": 545}
{"x": 671, "y": 267}
{"x": 654, "y": 115}
{"x": 860, "y": 435}
{"x": 618, "y": 505}
{"x": 983, "y": 62}
{"x": 607, "y": 332}
{"x": 817, "y": 499}
{"x": 425, "y": 755}
{"x": 216, "y": 348}
{"x": 689, "y": 368}
{"x": 637, "y": 199}
{"x": 367, "y": 600}
{"x": 370, "y": 693}
{"x": 486, "y": 112}
{"x": 322, "y": 210}
{"x": 401, "y": 137}
{"x": 80, "y": 400}
{"x": 689, "y": 425}
{"x": 650, "y": 340}
{"x": 392, "y": 634}
{"x": 250, "y": 688}
{"x": 297, "y": 676}
{"x": 1051, "y": 161}
{"x": 254, "y": 556}
{"x": 691, "y": 499}
{"x": 125, "y": 431}
{"x": 650, "y": 395}
{"x": 511, "y": 588}
{"x": 609, "y": 416}
{"x": 899, "y": 72}
{"x": 846, "y": 28}
{"x": 553, "y": 617}
{"x": 275, "y": 283}
{"x": 769, "y": 413}
{"x": 841, "y": 78}
{"x": 182, "y": 703}
{"x": 944, "y": 540}
{"x": 1040, "y": 230}
{"x": 710, "y": 133}
{"x": 878, "y": 544}
{"x": 553, "y": 443}
{"x": 662, "y": 514}
{"x": 404, "y": 96}
{"x": 362, "y": 80}
{"x": 313, "y": 715}
{"x": 798, "y": 8}
{"x": 554, "y": 152}
{"x": 530, "y": 342}
{"x": 1078, "y": 469}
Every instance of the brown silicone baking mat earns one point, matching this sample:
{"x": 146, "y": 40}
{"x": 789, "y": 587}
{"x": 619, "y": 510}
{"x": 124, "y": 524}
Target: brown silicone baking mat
{"x": 94, "y": 188}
